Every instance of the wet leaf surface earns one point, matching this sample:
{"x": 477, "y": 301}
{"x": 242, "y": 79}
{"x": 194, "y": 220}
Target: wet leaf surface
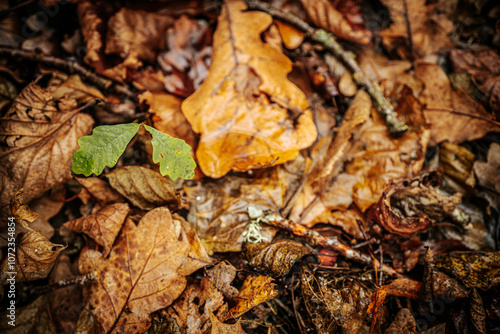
{"x": 255, "y": 290}
{"x": 258, "y": 123}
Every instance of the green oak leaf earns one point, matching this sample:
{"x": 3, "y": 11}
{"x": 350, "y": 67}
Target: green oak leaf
{"x": 172, "y": 154}
{"x": 103, "y": 148}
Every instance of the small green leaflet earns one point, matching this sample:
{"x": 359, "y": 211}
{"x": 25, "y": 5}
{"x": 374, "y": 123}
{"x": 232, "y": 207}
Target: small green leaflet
{"x": 172, "y": 154}
{"x": 103, "y": 148}
{"x": 108, "y": 142}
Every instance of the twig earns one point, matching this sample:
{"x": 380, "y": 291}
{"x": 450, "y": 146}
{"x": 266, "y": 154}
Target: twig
{"x": 295, "y": 307}
{"x": 327, "y": 39}
{"x": 70, "y": 66}
{"x": 316, "y": 239}
{"x": 78, "y": 280}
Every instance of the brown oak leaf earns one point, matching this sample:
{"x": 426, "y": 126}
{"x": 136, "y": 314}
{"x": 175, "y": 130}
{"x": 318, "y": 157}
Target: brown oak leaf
{"x": 247, "y": 112}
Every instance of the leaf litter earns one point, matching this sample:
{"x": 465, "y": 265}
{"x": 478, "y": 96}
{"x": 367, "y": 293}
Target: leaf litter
{"x": 306, "y": 212}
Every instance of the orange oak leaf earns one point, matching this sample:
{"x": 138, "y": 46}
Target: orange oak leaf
{"x": 102, "y": 226}
{"x": 38, "y": 142}
{"x": 144, "y": 272}
{"x": 247, "y": 112}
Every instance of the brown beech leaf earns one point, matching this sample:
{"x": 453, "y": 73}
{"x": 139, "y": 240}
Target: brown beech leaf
{"x": 34, "y": 257}
{"x": 144, "y": 187}
{"x": 92, "y": 26}
{"x": 220, "y": 328}
{"x": 222, "y": 274}
{"x": 191, "y": 310}
{"x": 326, "y": 16}
{"x": 100, "y": 190}
{"x": 475, "y": 269}
{"x": 429, "y": 30}
{"x": 255, "y": 290}
{"x": 144, "y": 272}
{"x": 33, "y": 318}
{"x": 445, "y": 106}
{"x": 276, "y": 259}
{"x": 247, "y": 112}
{"x": 218, "y": 209}
{"x": 72, "y": 87}
{"x": 48, "y": 206}
{"x": 488, "y": 173}
{"x": 409, "y": 206}
{"x": 38, "y": 143}
{"x": 102, "y": 226}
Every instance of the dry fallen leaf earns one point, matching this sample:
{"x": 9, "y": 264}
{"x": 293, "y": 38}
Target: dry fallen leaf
{"x": 326, "y": 16}
{"x": 291, "y": 36}
{"x": 222, "y": 274}
{"x": 428, "y": 29}
{"x": 404, "y": 322}
{"x": 142, "y": 273}
{"x": 33, "y": 318}
{"x": 488, "y": 173}
{"x": 247, "y": 112}
{"x": 38, "y": 144}
{"x": 191, "y": 310}
{"x": 475, "y": 269}
{"x": 102, "y": 226}
{"x": 255, "y": 290}
{"x": 221, "y": 328}
{"x": 144, "y": 187}
{"x": 34, "y": 257}
{"x": 100, "y": 190}
{"x": 445, "y": 106}
{"x": 275, "y": 259}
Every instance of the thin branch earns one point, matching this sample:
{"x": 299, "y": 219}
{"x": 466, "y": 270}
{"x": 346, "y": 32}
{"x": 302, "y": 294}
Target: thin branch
{"x": 78, "y": 280}
{"x": 71, "y": 67}
{"x": 316, "y": 239}
{"x": 327, "y": 39}
{"x": 451, "y": 111}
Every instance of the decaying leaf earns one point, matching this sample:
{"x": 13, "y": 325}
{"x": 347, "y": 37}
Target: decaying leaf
{"x": 100, "y": 190}
{"x": 428, "y": 29}
{"x": 291, "y": 36}
{"x": 144, "y": 272}
{"x": 36, "y": 316}
{"x": 326, "y": 16}
{"x": 222, "y": 274}
{"x": 457, "y": 163}
{"x": 475, "y": 269}
{"x": 488, "y": 173}
{"x": 191, "y": 311}
{"x": 221, "y": 328}
{"x": 275, "y": 259}
{"x": 477, "y": 312}
{"x": 144, "y": 187}
{"x": 188, "y": 58}
{"x": 335, "y": 304}
{"x": 38, "y": 144}
{"x": 219, "y": 212}
{"x": 403, "y": 323}
{"x": 20, "y": 209}
{"x": 484, "y": 66}
{"x": 445, "y": 106}
{"x": 102, "y": 226}
{"x": 409, "y": 206}
{"x": 247, "y": 112}
{"x": 255, "y": 290}
{"x": 34, "y": 257}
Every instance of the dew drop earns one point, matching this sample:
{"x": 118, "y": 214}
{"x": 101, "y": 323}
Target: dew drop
{"x": 198, "y": 198}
